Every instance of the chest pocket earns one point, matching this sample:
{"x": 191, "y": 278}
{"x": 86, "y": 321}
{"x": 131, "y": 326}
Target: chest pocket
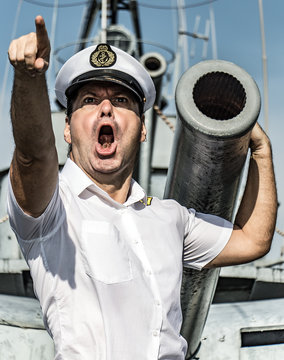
{"x": 105, "y": 254}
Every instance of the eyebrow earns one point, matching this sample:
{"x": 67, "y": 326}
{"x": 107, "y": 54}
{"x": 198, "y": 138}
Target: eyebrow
{"x": 114, "y": 91}
{"x": 85, "y": 91}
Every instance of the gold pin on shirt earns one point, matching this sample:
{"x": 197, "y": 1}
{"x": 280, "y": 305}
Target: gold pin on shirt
{"x": 149, "y": 201}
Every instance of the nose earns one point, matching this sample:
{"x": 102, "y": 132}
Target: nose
{"x": 106, "y": 108}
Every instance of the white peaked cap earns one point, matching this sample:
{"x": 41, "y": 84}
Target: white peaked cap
{"x": 108, "y": 64}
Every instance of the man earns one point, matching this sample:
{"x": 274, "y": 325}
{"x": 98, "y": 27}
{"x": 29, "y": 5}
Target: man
{"x": 106, "y": 267}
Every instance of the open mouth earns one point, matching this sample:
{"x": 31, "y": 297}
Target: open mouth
{"x": 106, "y": 137}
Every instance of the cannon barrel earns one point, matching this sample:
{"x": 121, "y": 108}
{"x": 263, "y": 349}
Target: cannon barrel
{"x": 217, "y": 105}
{"x": 156, "y": 66}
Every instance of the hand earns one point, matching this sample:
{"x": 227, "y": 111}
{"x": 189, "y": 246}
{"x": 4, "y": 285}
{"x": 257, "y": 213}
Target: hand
{"x": 259, "y": 142}
{"x": 30, "y": 53}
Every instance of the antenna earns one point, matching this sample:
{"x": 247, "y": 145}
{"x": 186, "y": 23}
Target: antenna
{"x": 7, "y": 67}
{"x": 205, "y": 44}
{"x": 264, "y": 67}
{"x": 182, "y": 43}
{"x": 104, "y": 22}
{"x": 195, "y": 31}
{"x": 213, "y": 33}
{"x": 52, "y": 37}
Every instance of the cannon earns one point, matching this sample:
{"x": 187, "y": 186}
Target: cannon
{"x": 217, "y": 105}
{"x": 156, "y": 66}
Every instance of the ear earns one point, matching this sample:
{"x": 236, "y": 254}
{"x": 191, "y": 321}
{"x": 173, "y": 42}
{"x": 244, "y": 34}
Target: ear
{"x": 67, "y": 134}
{"x": 143, "y": 129}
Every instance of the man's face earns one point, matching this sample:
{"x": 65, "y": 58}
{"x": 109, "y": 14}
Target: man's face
{"x": 105, "y": 130}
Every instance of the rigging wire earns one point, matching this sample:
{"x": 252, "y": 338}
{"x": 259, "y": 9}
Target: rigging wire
{"x": 161, "y": 7}
{"x": 85, "y": 41}
{"x": 7, "y": 67}
{"x": 52, "y": 37}
{"x": 167, "y": 84}
{"x": 45, "y": 4}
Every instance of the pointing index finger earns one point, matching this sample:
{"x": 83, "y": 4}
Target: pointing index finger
{"x": 41, "y": 34}
{"x": 43, "y": 46}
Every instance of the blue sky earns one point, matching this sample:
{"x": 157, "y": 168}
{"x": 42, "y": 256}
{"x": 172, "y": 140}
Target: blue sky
{"x": 238, "y": 40}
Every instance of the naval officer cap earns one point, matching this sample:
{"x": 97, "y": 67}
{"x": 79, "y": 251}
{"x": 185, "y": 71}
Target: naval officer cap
{"x": 108, "y": 64}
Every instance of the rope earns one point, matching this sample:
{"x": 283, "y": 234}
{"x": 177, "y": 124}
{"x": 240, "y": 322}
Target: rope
{"x": 163, "y": 117}
{"x": 4, "y": 218}
{"x": 281, "y": 233}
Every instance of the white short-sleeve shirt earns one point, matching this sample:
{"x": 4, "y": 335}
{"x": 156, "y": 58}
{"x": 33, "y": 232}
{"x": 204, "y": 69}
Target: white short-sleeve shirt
{"x": 108, "y": 275}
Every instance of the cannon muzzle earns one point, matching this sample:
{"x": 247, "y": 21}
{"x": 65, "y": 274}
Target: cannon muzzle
{"x": 156, "y": 66}
{"x": 217, "y": 104}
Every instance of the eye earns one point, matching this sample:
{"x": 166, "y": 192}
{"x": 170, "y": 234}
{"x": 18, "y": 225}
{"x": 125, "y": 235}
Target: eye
{"x": 89, "y": 100}
{"x": 121, "y": 99}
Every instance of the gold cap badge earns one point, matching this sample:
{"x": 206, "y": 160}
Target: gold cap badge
{"x": 102, "y": 56}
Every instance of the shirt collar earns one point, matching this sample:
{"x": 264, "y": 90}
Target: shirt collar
{"x": 78, "y": 181}
{"x": 136, "y": 193}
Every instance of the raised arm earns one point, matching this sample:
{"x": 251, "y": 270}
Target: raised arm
{"x": 255, "y": 221}
{"x": 34, "y": 167}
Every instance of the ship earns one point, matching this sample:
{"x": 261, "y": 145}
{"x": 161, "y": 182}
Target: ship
{"x": 242, "y": 316}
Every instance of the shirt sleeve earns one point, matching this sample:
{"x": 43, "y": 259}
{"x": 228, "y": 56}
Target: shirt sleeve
{"x": 205, "y": 237}
{"x": 27, "y": 227}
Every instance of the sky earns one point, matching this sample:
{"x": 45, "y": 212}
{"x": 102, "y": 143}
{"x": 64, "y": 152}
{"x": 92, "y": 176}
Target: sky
{"x": 238, "y": 39}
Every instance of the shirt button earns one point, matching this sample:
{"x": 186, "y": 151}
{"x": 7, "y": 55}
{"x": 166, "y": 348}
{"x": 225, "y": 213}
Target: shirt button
{"x": 158, "y": 302}
{"x": 155, "y": 333}
{"x": 149, "y": 272}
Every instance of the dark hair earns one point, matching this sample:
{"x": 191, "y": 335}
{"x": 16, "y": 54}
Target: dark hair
{"x": 69, "y": 108}
{"x": 69, "y": 111}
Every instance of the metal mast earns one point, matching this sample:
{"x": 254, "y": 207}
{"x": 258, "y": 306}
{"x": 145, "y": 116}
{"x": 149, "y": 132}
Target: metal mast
{"x": 113, "y": 7}
{"x": 264, "y": 68}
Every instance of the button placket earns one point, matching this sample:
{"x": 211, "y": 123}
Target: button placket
{"x": 122, "y": 211}
{"x": 148, "y": 272}
{"x": 138, "y": 247}
{"x": 156, "y": 333}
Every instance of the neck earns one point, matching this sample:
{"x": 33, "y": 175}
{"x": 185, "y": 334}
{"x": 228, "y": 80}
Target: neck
{"x": 117, "y": 191}
{"x": 116, "y": 186}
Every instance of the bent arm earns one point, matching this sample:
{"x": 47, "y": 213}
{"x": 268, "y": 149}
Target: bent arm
{"x": 34, "y": 168}
{"x": 255, "y": 221}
